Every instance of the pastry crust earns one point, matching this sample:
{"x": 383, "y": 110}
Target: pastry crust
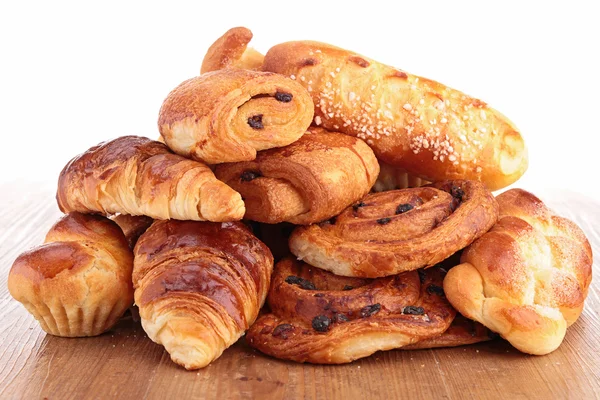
{"x": 230, "y": 114}
{"x": 527, "y": 278}
{"x": 138, "y": 176}
{"x": 401, "y": 230}
{"x": 231, "y": 51}
{"x": 78, "y": 283}
{"x": 308, "y": 181}
{"x": 391, "y": 178}
{"x": 199, "y": 286}
{"x": 313, "y": 319}
{"x": 429, "y": 130}
{"x": 132, "y": 226}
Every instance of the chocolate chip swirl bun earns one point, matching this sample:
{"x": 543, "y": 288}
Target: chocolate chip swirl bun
{"x": 322, "y": 318}
{"x": 228, "y": 115}
{"x": 400, "y": 230}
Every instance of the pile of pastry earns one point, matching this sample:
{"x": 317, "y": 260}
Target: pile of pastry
{"x": 368, "y": 186}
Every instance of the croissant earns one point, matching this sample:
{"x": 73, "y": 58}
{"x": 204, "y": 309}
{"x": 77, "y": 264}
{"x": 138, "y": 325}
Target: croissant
{"x": 308, "y": 181}
{"x": 321, "y": 318}
{"x": 138, "y": 176}
{"x": 391, "y": 178}
{"x": 227, "y": 115}
{"x": 527, "y": 278}
{"x": 231, "y": 51}
{"x": 199, "y": 286}
{"x": 421, "y": 126}
{"x": 400, "y": 230}
{"x": 78, "y": 283}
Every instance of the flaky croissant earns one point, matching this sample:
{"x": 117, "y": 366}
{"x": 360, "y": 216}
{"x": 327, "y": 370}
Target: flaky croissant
{"x": 308, "y": 181}
{"x": 527, "y": 278}
{"x": 427, "y": 129}
{"x": 230, "y": 114}
{"x": 199, "y": 286}
{"x": 78, "y": 283}
{"x": 231, "y": 51}
{"x": 138, "y": 176}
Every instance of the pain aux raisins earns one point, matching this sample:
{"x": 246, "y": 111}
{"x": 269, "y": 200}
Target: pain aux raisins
{"x": 303, "y": 283}
{"x": 321, "y": 323}
{"x": 370, "y": 310}
{"x": 255, "y": 121}
{"x": 248, "y": 176}
{"x": 413, "y": 310}
{"x": 402, "y": 208}
{"x": 284, "y": 97}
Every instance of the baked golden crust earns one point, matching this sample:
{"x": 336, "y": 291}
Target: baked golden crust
{"x": 527, "y": 278}
{"x": 400, "y": 230}
{"x": 428, "y": 129}
{"x": 138, "y": 176}
{"x": 230, "y": 114}
{"x": 78, "y": 283}
{"x": 231, "y": 51}
{"x": 308, "y": 181}
{"x": 199, "y": 286}
{"x": 321, "y": 318}
{"x": 461, "y": 332}
{"x": 391, "y": 178}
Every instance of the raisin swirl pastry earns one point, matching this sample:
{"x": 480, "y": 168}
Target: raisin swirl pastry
{"x": 322, "y": 318}
{"x": 400, "y": 230}
{"x": 308, "y": 181}
{"x": 230, "y": 114}
{"x": 419, "y": 125}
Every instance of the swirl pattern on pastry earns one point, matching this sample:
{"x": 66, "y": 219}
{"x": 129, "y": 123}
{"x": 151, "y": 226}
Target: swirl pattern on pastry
{"x": 230, "y": 114}
{"x": 400, "y": 230}
{"x": 322, "y": 318}
{"x": 300, "y": 183}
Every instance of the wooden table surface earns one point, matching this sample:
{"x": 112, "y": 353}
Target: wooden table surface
{"x": 124, "y": 363}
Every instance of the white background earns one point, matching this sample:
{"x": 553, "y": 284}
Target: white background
{"x": 74, "y": 74}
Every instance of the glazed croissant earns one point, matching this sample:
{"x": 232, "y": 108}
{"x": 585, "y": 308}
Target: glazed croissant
{"x": 308, "y": 181}
{"x": 199, "y": 286}
{"x": 427, "y": 129}
{"x": 78, "y": 283}
{"x": 138, "y": 176}
{"x": 231, "y": 51}
{"x": 230, "y": 114}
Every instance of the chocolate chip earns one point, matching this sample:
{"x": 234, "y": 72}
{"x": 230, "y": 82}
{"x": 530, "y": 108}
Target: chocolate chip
{"x": 248, "y": 176}
{"x": 283, "y": 97}
{"x": 321, "y": 323}
{"x": 358, "y": 205}
{"x": 256, "y": 121}
{"x": 282, "y": 330}
{"x": 457, "y": 192}
{"x": 370, "y": 310}
{"x": 303, "y": 283}
{"x": 339, "y": 318}
{"x": 383, "y": 221}
{"x": 348, "y": 287}
{"x": 421, "y": 273}
{"x": 402, "y": 208}
{"x": 434, "y": 289}
{"x": 412, "y": 310}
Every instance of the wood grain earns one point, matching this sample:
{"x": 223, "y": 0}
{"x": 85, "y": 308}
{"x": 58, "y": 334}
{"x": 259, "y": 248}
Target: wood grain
{"x": 124, "y": 363}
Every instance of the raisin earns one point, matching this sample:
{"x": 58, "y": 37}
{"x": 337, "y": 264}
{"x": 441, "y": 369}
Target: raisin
{"x": 370, "y": 310}
{"x": 248, "y": 176}
{"x": 383, "y": 221}
{"x": 283, "y": 97}
{"x": 255, "y": 122}
{"x": 282, "y": 330}
{"x": 413, "y": 310}
{"x": 303, "y": 283}
{"x": 434, "y": 289}
{"x": 321, "y": 323}
{"x": 402, "y": 208}
{"x": 339, "y": 318}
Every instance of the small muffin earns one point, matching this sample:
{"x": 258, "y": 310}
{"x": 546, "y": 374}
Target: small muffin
{"x": 78, "y": 283}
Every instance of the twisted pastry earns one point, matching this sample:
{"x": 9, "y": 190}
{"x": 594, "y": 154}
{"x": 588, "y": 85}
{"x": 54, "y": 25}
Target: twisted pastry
{"x": 527, "y": 278}
{"x": 421, "y": 126}
{"x": 78, "y": 283}
{"x": 138, "y": 176}
{"x": 199, "y": 286}
{"x": 231, "y": 51}
{"x": 401, "y": 230}
{"x": 300, "y": 183}
{"x": 391, "y": 178}
{"x": 321, "y": 318}
{"x": 227, "y": 115}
